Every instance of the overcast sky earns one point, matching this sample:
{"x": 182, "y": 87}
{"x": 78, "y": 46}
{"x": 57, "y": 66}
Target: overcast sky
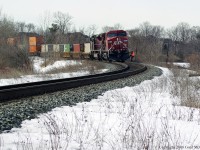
{"x": 129, "y": 13}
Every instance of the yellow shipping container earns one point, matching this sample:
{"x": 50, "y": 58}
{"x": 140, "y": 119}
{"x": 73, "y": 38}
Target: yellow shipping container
{"x": 32, "y": 41}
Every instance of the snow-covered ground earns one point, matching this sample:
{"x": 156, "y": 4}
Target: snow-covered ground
{"x": 184, "y": 65}
{"x": 42, "y": 72}
{"x": 146, "y": 116}
{"x": 38, "y": 61}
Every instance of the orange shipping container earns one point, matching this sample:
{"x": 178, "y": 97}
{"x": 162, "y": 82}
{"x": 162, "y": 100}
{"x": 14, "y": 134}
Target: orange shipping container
{"x": 76, "y": 48}
{"x": 32, "y": 49}
{"x": 32, "y": 41}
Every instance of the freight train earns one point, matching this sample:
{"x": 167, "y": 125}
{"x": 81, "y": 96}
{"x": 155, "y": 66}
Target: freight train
{"x": 112, "y": 45}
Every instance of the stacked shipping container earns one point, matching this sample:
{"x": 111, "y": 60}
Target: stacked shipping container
{"x": 67, "y": 50}
{"x": 31, "y": 43}
{"x": 35, "y": 45}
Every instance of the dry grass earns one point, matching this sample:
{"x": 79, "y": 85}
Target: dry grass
{"x": 82, "y": 65}
{"x": 138, "y": 128}
{"x": 85, "y": 65}
{"x": 14, "y": 73}
{"x": 186, "y": 88}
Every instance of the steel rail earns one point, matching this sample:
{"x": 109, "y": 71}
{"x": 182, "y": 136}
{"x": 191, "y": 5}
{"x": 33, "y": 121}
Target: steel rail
{"x": 17, "y": 91}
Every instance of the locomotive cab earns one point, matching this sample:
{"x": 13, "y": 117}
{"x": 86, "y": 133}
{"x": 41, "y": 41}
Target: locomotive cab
{"x": 112, "y": 45}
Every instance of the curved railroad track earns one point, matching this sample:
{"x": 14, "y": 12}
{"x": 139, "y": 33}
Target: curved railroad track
{"x": 37, "y": 88}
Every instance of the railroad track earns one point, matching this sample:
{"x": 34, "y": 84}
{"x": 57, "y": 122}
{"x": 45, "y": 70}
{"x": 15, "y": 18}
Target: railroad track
{"x": 37, "y": 88}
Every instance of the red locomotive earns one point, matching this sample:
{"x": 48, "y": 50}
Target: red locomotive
{"x": 112, "y": 45}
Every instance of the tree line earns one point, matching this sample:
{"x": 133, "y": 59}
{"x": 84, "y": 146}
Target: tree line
{"x": 146, "y": 40}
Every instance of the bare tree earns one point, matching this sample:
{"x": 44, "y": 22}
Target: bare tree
{"x": 183, "y": 31}
{"x": 107, "y": 28}
{"x": 157, "y": 31}
{"x": 10, "y": 55}
{"x": 145, "y": 41}
{"x": 53, "y": 30}
{"x": 145, "y": 29}
{"x": 7, "y": 27}
{"x": 45, "y": 22}
{"x": 21, "y": 26}
{"x": 91, "y": 30}
{"x": 30, "y": 27}
{"x": 82, "y": 30}
{"x": 117, "y": 26}
{"x": 63, "y": 21}
{"x": 134, "y": 32}
{"x": 173, "y": 33}
{"x": 194, "y": 33}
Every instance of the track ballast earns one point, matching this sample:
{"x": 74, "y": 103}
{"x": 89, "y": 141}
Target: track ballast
{"x": 11, "y": 92}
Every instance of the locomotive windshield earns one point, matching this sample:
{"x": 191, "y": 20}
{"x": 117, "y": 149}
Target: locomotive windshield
{"x": 116, "y": 34}
{"x": 121, "y": 34}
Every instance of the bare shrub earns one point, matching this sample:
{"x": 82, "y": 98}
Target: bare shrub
{"x": 186, "y": 88}
{"x": 194, "y": 60}
{"x": 12, "y": 58}
{"x": 24, "y": 143}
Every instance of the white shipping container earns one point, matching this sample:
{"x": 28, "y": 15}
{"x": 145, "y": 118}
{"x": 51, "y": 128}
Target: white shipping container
{"x": 56, "y": 47}
{"x": 87, "y": 48}
{"x": 44, "y": 48}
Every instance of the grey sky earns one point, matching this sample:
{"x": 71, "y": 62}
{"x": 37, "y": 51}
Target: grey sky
{"x": 129, "y": 13}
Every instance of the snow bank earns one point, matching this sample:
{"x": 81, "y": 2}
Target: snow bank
{"x": 38, "y": 68}
{"x": 184, "y": 65}
{"x": 141, "y": 117}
